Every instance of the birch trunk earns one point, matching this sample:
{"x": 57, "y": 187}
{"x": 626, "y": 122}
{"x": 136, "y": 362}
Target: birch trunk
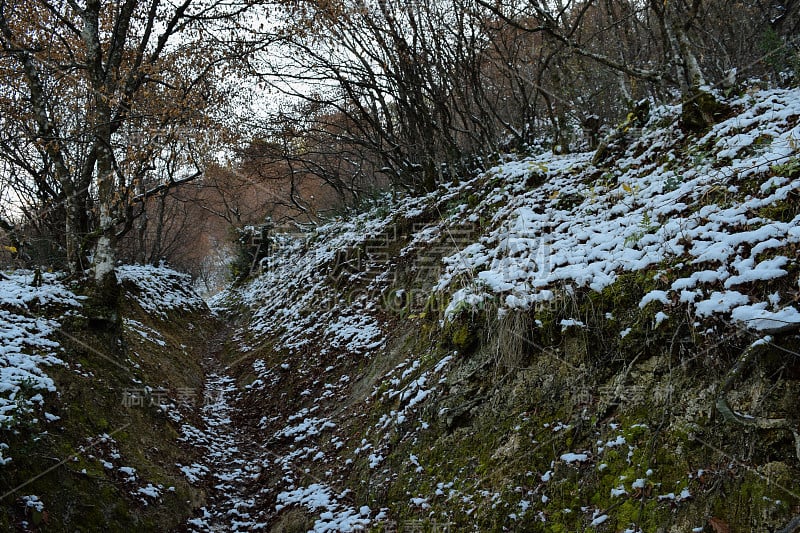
{"x": 101, "y": 122}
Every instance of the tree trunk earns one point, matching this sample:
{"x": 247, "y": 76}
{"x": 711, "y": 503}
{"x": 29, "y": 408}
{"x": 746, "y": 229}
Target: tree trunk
{"x": 699, "y": 108}
{"x": 72, "y": 230}
{"x": 105, "y": 298}
{"x": 694, "y": 75}
{"x": 158, "y": 238}
{"x": 100, "y": 119}
{"x": 105, "y": 250}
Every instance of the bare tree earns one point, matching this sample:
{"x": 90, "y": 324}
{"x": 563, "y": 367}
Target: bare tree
{"x": 402, "y": 77}
{"x": 92, "y": 93}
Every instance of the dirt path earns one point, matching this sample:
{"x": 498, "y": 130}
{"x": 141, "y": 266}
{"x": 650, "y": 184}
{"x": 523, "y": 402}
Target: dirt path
{"x": 231, "y": 457}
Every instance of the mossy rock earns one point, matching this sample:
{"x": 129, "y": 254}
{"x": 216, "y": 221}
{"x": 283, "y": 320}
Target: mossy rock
{"x": 701, "y": 111}
{"x": 461, "y": 332}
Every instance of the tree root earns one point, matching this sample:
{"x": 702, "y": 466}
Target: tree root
{"x": 792, "y": 526}
{"x": 730, "y": 415}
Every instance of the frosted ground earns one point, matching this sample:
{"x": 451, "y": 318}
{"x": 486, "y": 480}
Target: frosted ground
{"x": 548, "y": 224}
{"x": 707, "y": 217}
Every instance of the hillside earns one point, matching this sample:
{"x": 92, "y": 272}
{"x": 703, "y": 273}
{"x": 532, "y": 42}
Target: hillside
{"x": 91, "y": 413}
{"x": 593, "y": 341}
{"x": 599, "y": 341}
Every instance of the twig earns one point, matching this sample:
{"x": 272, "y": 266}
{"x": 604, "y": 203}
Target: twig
{"x": 791, "y": 527}
{"x": 751, "y": 421}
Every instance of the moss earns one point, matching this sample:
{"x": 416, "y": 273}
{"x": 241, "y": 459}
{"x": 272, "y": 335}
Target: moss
{"x": 505, "y": 448}
{"x": 536, "y": 177}
{"x": 790, "y": 169}
{"x": 569, "y": 201}
{"x": 626, "y": 292}
{"x": 752, "y": 502}
{"x": 461, "y": 336}
{"x": 647, "y": 514}
{"x": 575, "y": 347}
{"x": 783, "y": 210}
{"x": 502, "y": 448}
{"x": 461, "y": 332}
{"x": 701, "y": 111}
{"x": 80, "y": 494}
{"x": 293, "y": 520}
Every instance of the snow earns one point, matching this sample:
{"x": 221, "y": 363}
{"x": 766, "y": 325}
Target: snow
{"x": 27, "y": 347}
{"x": 309, "y": 427}
{"x": 145, "y": 332}
{"x": 720, "y": 302}
{"x": 18, "y": 291}
{"x": 356, "y": 333}
{"x": 574, "y": 457}
{"x": 758, "y": 318}
{"x": 654, "y": 296}
{"x": 150, "y": 491}
{"x": 335, "y": 516}
{"x": 619, "y": 441}
{"x": 571, "y": 322}
{"x": 657, "y": 221}
{"x": 33, "y": 502}
{"x": 193, "y": 472}
{"x": 159, "y": 289}
{"x": 684, "y": 495}
{"x": 639, "y": 222}
{"x": 765, "y": 270}
{"x": 222, "y": 460}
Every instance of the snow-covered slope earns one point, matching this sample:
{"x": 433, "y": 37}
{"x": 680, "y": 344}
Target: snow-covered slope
{"x": 719, "y": 208}
{"x": 27, "y": 348}
{"x": 90, "y": 411}
{"x": 704, "y": 206}
{"x": 537, "y": 347}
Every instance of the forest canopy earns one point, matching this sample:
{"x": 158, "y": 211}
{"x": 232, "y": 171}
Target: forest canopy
{"x": 136, "y": 129}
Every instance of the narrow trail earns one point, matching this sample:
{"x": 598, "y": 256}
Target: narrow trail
{"x": 259, "y": 457}
{"x": 231, "y": 459}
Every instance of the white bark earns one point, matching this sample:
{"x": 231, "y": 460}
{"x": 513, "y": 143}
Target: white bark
{"x": 694, "y": 76}
{"x": 104, "y": 254}
{"x": 103, "y": 259}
